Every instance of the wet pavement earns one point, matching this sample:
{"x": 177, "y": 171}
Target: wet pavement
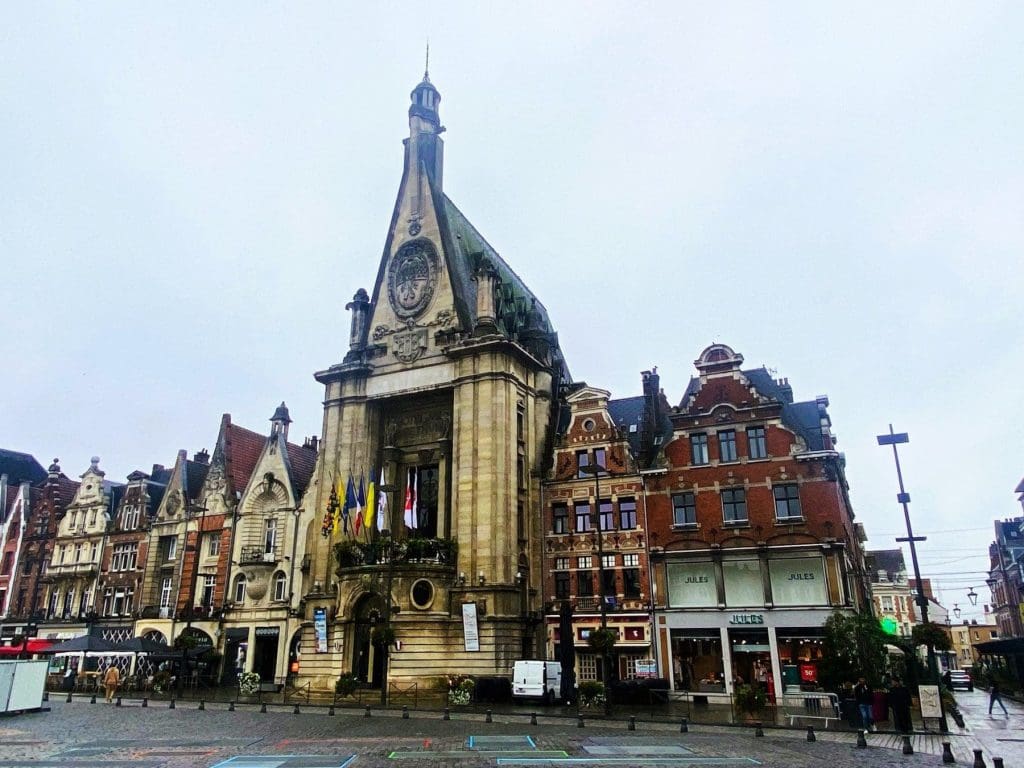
{"x": 83, "y": 734}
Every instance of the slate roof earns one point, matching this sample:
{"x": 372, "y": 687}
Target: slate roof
{"x": 889, "y": 560}
{"x": 20, "y": 467}
{"x": 302, "y": 461}
{"x": 195, "y": 474}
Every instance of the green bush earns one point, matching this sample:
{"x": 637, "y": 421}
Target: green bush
{"x": 750, "y": 698}
{"x": 592, "y": 693}
{"x": 346, "y": 684}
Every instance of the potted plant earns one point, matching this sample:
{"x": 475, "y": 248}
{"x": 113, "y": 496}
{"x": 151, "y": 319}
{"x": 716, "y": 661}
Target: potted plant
{"x": 750, "y": 699}
{"x": 249, "y": 683}
{"x": 346, "y": 684}
{"x": 591, "y": 693}
{"x": 460, "y": 690}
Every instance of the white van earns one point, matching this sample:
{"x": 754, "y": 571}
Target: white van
{"x": 537, "y": 680}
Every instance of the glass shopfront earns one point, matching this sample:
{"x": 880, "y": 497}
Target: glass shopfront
{"x": 743, "y": 585}
{"x": 697, "y": 661}
{"x": 799, "y": 654}
{"x": 798, "y": 581}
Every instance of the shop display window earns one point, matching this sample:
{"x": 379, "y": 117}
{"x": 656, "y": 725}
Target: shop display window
{"x": 800, "y": 652}
{"x": 697, "y": 662}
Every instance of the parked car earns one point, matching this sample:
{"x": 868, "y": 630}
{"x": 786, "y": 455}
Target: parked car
{"x": 960, "y": 680}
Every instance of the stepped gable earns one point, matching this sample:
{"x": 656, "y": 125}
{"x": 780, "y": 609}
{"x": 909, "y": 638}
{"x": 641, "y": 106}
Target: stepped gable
{"x": 20, "y": 467}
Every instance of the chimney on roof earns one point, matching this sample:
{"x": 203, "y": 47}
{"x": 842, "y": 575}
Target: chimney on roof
{"x": 785, "y": 389}
{"x": 202, "y": 457}
{"x": 312, "y": 443}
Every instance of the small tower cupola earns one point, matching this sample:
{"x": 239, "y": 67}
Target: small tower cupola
{"x": 425, "y": 147}
{"x": 425, "y": 102}
{"x": 279, "y": 421}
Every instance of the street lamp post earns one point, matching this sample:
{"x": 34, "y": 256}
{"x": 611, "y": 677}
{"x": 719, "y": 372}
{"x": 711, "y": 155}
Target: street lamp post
{"x": 385, "y": 534}
{"x": 596, "y": 469}
{"x": 894, "y": 439}
{"x": 186, "y": 633}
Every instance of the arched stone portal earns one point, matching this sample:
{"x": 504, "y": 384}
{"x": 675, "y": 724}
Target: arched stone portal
{"x": 367, "y": 660}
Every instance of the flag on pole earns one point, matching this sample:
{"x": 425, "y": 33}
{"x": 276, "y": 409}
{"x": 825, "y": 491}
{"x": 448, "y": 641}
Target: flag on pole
{"x": 410, "y": 500}
{"x": 329, "y": 513}
{"x": 370, "y": 509}
{"x": 337, "y": 496}
{"x": 360, "y": 505}
{"x": 382, "y": 504}
{"x": 350, "y": 501}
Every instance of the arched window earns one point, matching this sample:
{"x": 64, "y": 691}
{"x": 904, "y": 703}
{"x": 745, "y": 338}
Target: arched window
{"x": 280, "y": 586}
{"x": 240, "y": 590}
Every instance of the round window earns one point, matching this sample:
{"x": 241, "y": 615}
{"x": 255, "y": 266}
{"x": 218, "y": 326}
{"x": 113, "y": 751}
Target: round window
{"x": 422, "y": 594}
{"x": 589, "y": 425}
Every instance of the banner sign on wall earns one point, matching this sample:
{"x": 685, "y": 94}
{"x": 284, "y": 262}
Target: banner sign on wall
{"x": 469, "y": 627}
{"x": 320, "y": 629}
{"x": 692, "y": 585}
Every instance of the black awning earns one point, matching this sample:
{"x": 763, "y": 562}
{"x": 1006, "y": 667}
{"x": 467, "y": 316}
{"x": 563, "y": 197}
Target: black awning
{"x": 1007, "y": 646}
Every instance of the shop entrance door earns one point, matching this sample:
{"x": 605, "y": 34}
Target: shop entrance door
{"x": 751, "y": 657}
{"x": 264, "y": 659}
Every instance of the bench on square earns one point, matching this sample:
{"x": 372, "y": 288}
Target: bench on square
{"x": 810, "y": 706}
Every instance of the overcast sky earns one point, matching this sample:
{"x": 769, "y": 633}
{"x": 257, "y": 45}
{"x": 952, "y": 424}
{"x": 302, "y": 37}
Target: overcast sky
{"x": 190, "y": 193}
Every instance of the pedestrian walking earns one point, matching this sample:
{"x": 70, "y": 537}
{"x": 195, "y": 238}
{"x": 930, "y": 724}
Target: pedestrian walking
{"x": 899, "y": 703}
{"x": 995, "y": 697}
{"x": 862, "y": 694}
{"x": 111, "y": 680}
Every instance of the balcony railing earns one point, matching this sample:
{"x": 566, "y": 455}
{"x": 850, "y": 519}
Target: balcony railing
{"x": 355, "y": 554}
{"x": 257, "y": 554}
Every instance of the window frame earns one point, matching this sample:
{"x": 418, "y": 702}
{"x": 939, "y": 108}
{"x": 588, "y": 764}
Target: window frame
{"x": 757, "y": 443}
{"x": 560, "y": 518}
{"x": 280, "y": 586}
{"x": 682, "y": 498}
{"x": 699, "y": 440}
{"x": 627, "y": 514}
{"x": 585, "y": 517}
{"x": 790, "y": 498}
{"x": 734, "y": 500}
{"x": 727, "y": 446}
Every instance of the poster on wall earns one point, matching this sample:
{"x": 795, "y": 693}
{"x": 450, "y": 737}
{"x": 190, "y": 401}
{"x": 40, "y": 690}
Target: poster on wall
{"x": 470, "y": 630}
{"x": 320, "y": 629}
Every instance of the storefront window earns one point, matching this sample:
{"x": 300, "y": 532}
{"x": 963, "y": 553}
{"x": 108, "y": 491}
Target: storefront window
{"x": 692, "y": 585}
{"x": 798, "y": 581}
{"x": 697, "y": 661}
{"x": 743, "y": 585}
{"x": 799, "y": 654}
{"x": 751, "y": 657}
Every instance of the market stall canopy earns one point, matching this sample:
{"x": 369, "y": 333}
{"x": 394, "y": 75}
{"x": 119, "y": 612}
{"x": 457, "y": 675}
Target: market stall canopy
{"x": 85, "y": 644}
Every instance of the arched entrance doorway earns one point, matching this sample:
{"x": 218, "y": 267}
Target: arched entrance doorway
{"x": 367, "y": 660}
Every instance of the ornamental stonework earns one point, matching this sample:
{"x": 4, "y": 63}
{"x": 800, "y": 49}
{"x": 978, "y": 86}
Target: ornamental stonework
{"x": 412, "y": 278}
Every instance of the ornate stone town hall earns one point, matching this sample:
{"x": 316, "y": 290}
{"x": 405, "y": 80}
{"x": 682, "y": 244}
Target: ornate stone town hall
{"x": 447, "y": 399}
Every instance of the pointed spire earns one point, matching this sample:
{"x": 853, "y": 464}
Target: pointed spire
{"x": 426, "y": 65}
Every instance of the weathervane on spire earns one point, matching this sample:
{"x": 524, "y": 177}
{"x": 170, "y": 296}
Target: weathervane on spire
{"x": 426, "y": 65}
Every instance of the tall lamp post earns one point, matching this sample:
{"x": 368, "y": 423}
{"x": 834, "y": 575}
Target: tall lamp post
{"x": 191, "y": 608}
{"x": 596, "y": 469}
{"x": 894, "y": 439}
{"x": 385, "y": 534}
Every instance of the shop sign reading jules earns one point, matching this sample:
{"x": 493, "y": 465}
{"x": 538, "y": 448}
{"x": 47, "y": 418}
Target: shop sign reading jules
{"x": 747, "y": 618}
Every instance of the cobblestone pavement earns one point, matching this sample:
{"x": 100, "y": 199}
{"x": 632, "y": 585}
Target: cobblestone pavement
{"x": 91, "y": 735}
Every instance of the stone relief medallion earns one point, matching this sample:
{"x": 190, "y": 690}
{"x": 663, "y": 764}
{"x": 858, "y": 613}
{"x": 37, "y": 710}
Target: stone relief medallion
{"x": 414, "y": 229}
{"x": 412, "y": 276}
{"x": 409, "y": 345}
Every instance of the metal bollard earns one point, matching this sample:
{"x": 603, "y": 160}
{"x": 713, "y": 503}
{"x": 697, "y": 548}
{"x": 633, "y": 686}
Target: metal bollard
{"x": 861, "y": 741}
{"x": 997, "y": 762}
{"x": 330, "y": 712}
{"x": 366, "y": 713}
{"x": 947, "y": 753}
{"x": 263, "y": 709}
{"x": 579, "y": 721}
{"x": 145, "y": 702}
{"x": 202, "y": 705}
{"x": 68, "y": 700}
{"x": 488, "y": 719}
{"x": 295, "y": 711}
{"x": 810, "y": 733}
{"x": 908, "y": 748}
{"x": 405, "y": 713}
{"x": 118, "y": 702}
{"x": 684, "y": 726}
{"x": 92, "y": 699}
{"x": 632, "y": 723}
{"x": 171, "y": 705}
{"x": 979, "y": 760}
{"x": 758, "y": 729}
{"x": 533, "y": 718}
{"x": 447, "y": 714}
{"x": 231, "y": 706}
{"x": 46, "y": 695}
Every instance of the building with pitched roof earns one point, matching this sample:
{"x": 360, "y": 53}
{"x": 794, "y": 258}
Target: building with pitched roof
{"x": 752, "y": 536}
{"x": 448, "y": 391}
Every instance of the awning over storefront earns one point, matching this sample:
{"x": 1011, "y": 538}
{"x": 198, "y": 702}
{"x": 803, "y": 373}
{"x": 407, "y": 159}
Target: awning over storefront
{"x": 33, "y": 645}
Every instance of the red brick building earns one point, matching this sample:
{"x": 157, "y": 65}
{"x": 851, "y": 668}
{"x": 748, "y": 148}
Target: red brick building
{"x": 751, "y": 532}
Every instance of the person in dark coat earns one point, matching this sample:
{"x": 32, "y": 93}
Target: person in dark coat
{"x": 899, "y": 703}
{"x": 995, "y": 697}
